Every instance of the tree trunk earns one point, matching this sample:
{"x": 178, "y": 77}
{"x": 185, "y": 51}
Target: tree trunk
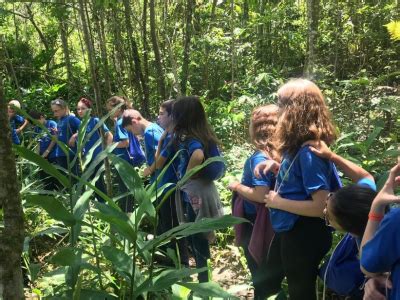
{"x": 95, "y": 83}
{"x": 64, "y": 42}
{"x": 312, "y": 17}
{"x": 142, "y": 86}
{"x": 233, "y": 60}
{"x": 146, "y": 50}
{"x": 12, "y": 235}
{"x": 157, "y": 55}
{"x": 186, "y": 50}
{"x": 206, "y": 70}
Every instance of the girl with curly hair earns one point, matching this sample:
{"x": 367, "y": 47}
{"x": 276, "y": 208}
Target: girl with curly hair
{"x": 303, "y": 183}
{"x": 248, "y": 198}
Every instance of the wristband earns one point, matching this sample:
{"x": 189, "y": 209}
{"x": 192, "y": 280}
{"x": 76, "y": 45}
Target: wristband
{"x": 375, "y": 217}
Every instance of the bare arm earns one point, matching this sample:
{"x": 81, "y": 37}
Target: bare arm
{"x": 307, "y": 208}
{"x": 49, "y": 148}
{"x": 255, "y": 194}
{"x": 109, "y": 138}
{"x": 196, "y": 159}
{"x": 22, "y": 127}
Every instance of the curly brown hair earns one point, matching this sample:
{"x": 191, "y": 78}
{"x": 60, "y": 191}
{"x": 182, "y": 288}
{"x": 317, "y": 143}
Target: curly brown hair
{"x": 262, "y": 128}
{"x": 303, "y": 116}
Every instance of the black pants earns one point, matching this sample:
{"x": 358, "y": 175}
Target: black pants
{"x": 168, "y": 220}
{"x": 296, "y": 255}
{"x": 50, "y": 183}
{"x": 199, "y": 244}
{"x": 125, "y": 203}
{"x": 258, "y": 272}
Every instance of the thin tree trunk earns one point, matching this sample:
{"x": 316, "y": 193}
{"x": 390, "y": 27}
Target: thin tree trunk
{"x": 186, "y": 50}
{"x": 312, "y": 17}
{"x": 232, "y": 50}
{"x": 64, "y": 42}
{"x": 143, "y": 91}
{"x": 12, "y": 235}
{"x": 96, "y": 87}
{"x": 156, "y": 49}
{"x": 146, "y": 50}
{"x": 206, "y": 71}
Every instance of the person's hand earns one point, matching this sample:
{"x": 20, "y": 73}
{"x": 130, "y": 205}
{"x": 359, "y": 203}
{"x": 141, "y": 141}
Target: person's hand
{"x": 233, "y": 186}
{"x": 319, "y": 148}
{"x": 266, "y": 166}
{"x": 374, "y": 286}
{"x": 147, "y": 172}
{"x": 72, "y": 140}
{"x": 18, "y": 130}
{"x": 386, "y": 194}
{"x": 272, "y": 199}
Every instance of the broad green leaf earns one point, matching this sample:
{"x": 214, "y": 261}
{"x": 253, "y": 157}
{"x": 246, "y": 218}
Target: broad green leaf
{"x": 207, "y": 289}
{"x": 119, "y": 259}
{"x": 67, "y": 256}
{"x": 53, "y": 207}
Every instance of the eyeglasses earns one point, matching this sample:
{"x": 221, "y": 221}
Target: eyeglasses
{"x": 325, "y": 211}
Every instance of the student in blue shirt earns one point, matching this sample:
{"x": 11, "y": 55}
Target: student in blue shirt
{"x": 83, "y": 107}
{"x": 17, "y": 122}
{"x": 134, "y": 122}
{"x": 67, "y": 126}
{"x": 44, "y": 139}
{"x": 128, "y": 146}
{"x": 198, "y": 197}
{"x": 253, "y": 189}
{"x": 303, "y": 183}
{"x": 380, "y": 246}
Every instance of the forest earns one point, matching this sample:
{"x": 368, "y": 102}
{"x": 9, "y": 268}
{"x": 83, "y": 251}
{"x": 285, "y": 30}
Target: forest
{"x": 234, "y": 55}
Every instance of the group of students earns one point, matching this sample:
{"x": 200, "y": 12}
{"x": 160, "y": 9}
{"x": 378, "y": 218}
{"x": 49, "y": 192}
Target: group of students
{"x": 293, "y": 173}
{"x": 182, "y": 130}
{"x": 290, "y": 191}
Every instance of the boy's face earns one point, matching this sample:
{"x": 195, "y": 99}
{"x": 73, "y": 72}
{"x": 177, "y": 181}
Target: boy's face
{"x": 164, "y": 120}
{"x": 135, "y": 127}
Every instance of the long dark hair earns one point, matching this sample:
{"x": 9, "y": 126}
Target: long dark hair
{"x": 190, "y": 121}
{"x": 350, "y": 207}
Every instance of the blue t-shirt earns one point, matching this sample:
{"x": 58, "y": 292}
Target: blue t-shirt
{"x": 45, "y": 138}
{"x": 134, "y": 149}
{"x": 66, "y": 127}
{"x": 16, "y": 121}
{"x": 250, "y": 180}
{"x": 151, "y": 135}
{"x": 188, "y": 147}
{"x": 171, "y": 174}
{"x": 298, "y": 178}
{"x": 121, "y": 134}
{"x": 368, "y": 183}
{"x": 382, "y": 252}
{"x": 94, "y": 138}
{"x": 14, "y": 137}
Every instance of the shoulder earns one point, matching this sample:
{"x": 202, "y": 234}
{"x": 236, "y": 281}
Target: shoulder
{"x": 19, "y": 118}
{"x": 308, "y": 158}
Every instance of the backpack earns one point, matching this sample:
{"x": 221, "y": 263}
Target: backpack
{"x": 216, "y": 169}
{"x": 342, "y": 273}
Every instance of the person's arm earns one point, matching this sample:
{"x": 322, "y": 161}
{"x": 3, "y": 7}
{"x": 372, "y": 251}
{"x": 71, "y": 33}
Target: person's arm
{"x": 22, "y": 127}
{"x": 72, "y": 140}
{"x": 350, "y": 169}
{"x": 196, "y": 159}
{"x": 307, "y": 208}
{"x": 374, "y": 286}
{"x": 255, "y": 194}
{"x": 158, "y": 164}
{"x": 266, "y": 166}
{"x": 123, "y": 144}
{"x": 109, "y": 138}
{"x": 385, "y": 197}
{"x": 49, "y": 148}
